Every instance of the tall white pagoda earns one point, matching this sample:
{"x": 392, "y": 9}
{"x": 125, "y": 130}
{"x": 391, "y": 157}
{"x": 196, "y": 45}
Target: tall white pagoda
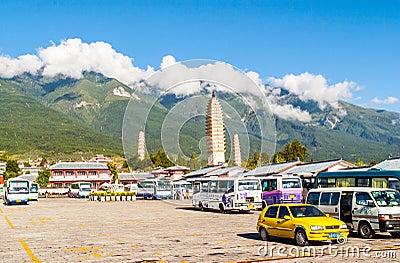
{"x": 215, "y": 132}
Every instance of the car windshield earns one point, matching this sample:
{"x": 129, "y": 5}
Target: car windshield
{"x": 305, "y": 211}
{"x": 386, "y": 198}
{"x": 18, "y": 188}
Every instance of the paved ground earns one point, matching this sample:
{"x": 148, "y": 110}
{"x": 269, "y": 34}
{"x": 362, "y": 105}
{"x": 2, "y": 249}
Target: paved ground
{"x": 72, "y": 230}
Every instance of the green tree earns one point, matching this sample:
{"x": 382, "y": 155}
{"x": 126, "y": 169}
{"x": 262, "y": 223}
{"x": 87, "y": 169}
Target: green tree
{"x": 265, "y": 159}
{"x": 160, "y": 159}
{"x": 254, "y": 162}
{"x": 12, "y": 169}
{"x": 278, "y": 158}
{"x": 359, "y": 162}
{"x": 372, "y": 163}
{"x": 43, "y": 162}
{"x": 43, "y": 178}
{"x": 113, "y": 169}
{"x": 4, "y": 156}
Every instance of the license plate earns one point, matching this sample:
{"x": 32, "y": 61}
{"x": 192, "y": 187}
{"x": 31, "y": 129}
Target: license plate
{"x": 291, "y": 196}
{"x": 334, "y": 235}
{"x": 250, "y": 206}
{"x": 18, "y": 201}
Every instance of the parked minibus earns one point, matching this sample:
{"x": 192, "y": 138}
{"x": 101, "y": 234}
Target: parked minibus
{"x": 182, "y": 190}
{"x": 79, "y": 190}
{"x": 154, "y": 189}
{"x": 279, "y": 189}
{"x": 16, "y": 191}
{"x": 365, "y": 210}
{"x": 33, "y": 191}
{"x": 227, "y": 194}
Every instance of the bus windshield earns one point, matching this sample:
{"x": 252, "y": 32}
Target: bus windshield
{"x": 386, "y": 198}
{"x": 16, "y": 187}
{"x": 33, "y": 188}
{"x": 85, "y": 187}
{"x": 146, "y": 184}
{"x": 249, "y": 185}
{"x": 291, "y": 183}
{"x": 164, "y": 185}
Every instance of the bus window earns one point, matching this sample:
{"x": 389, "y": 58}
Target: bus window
{"x": 362, "y": 182}
{"x": 325, "y": 199}
{"x": 379, "y": 182}
{"x": 269, "y": 185}
{"x": 204, "y": 187}
{"x": 213, "y": 186}
{"x": 196, "y": 187}
{"x": 345, "y": 182}
{"x": 313, "y": 198}
{"x": 291, "y": 183}
{"x": 248, "y": 185}
{"x": 224, "y": 186}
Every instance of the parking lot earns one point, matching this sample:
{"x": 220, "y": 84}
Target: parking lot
{"x": 77, "y": 230}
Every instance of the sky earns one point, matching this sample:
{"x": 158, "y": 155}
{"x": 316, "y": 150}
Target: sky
{"x": 349, "y": 48}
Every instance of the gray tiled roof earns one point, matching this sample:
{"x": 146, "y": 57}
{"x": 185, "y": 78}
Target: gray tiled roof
{"x": 135, "y": 176}
{"x": 30, "y": 177}
{"x": 312, "y": 167}
{"x": 232, "y": 170}
{"x": 203, "y": 171}
{"x": 78, "y": 165}
{"x": 389, "y": 164}
{"x": 272, "y": 169}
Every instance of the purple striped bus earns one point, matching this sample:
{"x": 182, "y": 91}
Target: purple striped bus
{"x": 279, "y": 189}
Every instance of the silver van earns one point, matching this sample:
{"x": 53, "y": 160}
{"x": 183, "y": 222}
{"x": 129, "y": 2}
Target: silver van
{"x": 365, "y": 210}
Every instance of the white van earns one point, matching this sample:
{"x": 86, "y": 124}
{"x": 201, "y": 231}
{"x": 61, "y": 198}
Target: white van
{"x": 364, "y": 209}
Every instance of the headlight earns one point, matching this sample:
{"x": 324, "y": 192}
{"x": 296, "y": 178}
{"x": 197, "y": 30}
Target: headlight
{"x": 315, "y": 228}
{"x": 344, "y": 226}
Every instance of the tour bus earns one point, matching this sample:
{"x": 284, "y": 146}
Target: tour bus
{"x": 79, "y": 190}
{"x": 33, "y": 191}
{"x": 358, "y": 178}
{"x": 279, "y": 189}
{"x": 182, "y": 190}
{"x": 365, "y": 210}
{"x": 154, "y": 189}
{"x": 16, "y": 191}
{"x": 227, "y": 194}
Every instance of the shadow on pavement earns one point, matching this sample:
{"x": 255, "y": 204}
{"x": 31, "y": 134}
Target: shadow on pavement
{"x": 253, "y": 236}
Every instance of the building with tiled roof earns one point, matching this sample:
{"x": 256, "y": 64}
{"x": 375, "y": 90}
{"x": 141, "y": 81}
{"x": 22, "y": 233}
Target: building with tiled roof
{"x": 63, "y": 174}
{"x": 392, "y": 163}
{"x": 203, "y": 172}
{"x": 309, "y": 169}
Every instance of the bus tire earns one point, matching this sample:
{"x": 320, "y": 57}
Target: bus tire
{"x": 365, "y": 230}
{"x": 264, "y": 205}
{"x": 201, "y": 207}
{"x": 222, "y": 208}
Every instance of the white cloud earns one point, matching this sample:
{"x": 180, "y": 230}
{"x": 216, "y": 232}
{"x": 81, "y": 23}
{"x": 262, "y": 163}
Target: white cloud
{"x": 167, "y": 61}
{"x": 289, "y": 112}
{"x": 315, "y": 87}
{"x": 388, "y": 100}
{"x": 10, "y": 67}
{"x": 72, "y": 57}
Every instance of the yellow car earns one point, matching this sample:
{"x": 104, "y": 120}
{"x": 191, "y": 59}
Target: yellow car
{"x": 300, "y": 222}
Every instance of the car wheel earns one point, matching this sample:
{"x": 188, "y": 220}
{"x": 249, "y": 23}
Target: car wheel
{"x": 264, "y": 234}
{"x": 365, "y": 230}
{"x": 300, "y": 238}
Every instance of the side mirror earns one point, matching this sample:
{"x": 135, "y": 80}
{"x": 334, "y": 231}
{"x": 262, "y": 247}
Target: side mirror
{"x": 286, "y": 217}
{"x": 327, "y": 215}
{"x": 370, "y": 203}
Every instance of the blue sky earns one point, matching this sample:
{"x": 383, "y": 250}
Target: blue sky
{"x": 355, "y": 41}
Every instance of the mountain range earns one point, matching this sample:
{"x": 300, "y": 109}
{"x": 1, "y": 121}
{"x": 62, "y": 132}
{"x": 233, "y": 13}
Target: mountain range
{"x": 65, "y": 118}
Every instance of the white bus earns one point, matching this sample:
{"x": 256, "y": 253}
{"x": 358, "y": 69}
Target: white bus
{"x": 182, "y": 190}
{"x": 227, "y": 194}
{"x": 154, "y": 189}
{"x": 33, "y": 191}
{"x": 79, "y": 190}
{"x": 16, "y": 191}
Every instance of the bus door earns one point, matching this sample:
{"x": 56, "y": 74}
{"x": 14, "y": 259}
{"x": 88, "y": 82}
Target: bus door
{"x": 346, "y": 205}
